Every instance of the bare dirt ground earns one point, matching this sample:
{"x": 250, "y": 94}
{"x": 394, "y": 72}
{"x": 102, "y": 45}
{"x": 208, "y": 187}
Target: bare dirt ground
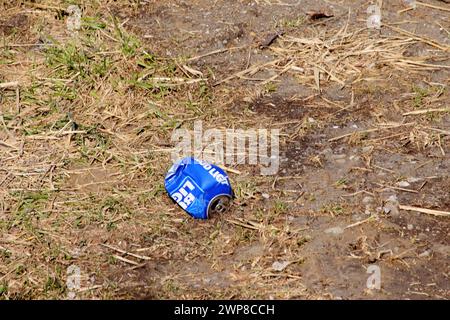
{"x": 85, "y": 141}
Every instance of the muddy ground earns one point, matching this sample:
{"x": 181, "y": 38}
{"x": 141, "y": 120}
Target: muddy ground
{"x": 333, "y": 264}
{"x": 326, "y": 214}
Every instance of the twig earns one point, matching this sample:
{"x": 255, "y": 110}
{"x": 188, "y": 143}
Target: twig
{"x": 368, "y": 131}
{"x": 254, "y": 68}
{"x": 402, "y": 253}
{"x": 424, "y": 210}
{"x": 426, "y": 111}
{"x": 11, "y": 84}
{"x": 230, "y": 170}
{"x": 439, "y": 130}
{"x": 360, "y": 222}
{"x": 21, "y": 45}
{"x": 125, "y": 260}
{"x": 286, "y": 68}
{"x": 214, "y": 52}
{"x": 332, "y": 76}
{"x": 416, "y": 37}
{"x": 387, "y": 137}
{"x": 45, "y": 7}
{"x": 424, "y": 64}
{"x": 358, "y": 192}
{"x": 397, "y": 188}
{"x": 404, "y": 10}
{"x": 126, "y": 252}
{"x": 440, "y": 25}
{"x": 2, "y": 143}
{"x": 432, "y": 6}
{"x": 98, "y": 286}
{"x": 242, "y": 224}
{"x": 281, "y": 275}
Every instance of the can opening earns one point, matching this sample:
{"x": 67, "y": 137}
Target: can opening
{"x": 220, "y": 205}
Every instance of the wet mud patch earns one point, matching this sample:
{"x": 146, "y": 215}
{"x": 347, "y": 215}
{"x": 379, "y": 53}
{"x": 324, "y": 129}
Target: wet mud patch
{"x": 418, "y": 179}
{"x": 279, "y": 108}
{"x": 302, "y": 154}
{"x": 205, "y": 26}
{"x": 337, "y": 263}
{"x": 16, "y": 23}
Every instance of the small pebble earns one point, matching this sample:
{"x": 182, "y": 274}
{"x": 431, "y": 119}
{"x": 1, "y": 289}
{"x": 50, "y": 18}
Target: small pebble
{"x": 367, "y": 149}
{"x": 391, "y": 206}
{"x": 367, "y": 200}
{"x": 425, "y": 254}
{"x": 280, "y": 265}
{"x": 338, "y": 156}
{"x": 403, "y": 184}
{"x": 335, "y": 230}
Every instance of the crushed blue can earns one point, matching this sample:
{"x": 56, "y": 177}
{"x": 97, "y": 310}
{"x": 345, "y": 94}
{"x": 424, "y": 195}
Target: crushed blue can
{"x": 199, "y": 187}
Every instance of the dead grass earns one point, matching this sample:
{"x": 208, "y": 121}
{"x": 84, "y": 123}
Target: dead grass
{"x": 86, "y": 121}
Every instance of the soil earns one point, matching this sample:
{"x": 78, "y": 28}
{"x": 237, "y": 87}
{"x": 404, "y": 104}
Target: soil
{"x": 410, "y": 248}
{"x": 324, "y": 213}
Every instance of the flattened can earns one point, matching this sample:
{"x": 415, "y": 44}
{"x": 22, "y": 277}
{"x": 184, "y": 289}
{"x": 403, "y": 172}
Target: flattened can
{"x": 199, "y": 187}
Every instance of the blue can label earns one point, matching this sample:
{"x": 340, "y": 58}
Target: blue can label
{"x": 198, "y": 187}
{"x": 188, "y": 192}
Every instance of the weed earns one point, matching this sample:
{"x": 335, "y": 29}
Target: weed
{"x": 270, "y": 87}
{"x": 32, "y": 201}
{"x": 419, "y": 95}
{"x": 280, "y": 207}
{"x": 129, "y": 43}
{"x": 292, "y": 23}
{"x": 92, "y": 23}
{"x": 5, "y": 254}
{"x": 302, "y": 240}
{"x": 341, "y": 183}
{"x": 68, "y": 60}
{"x": 20, "y": 269}
{"x": 53, "y": 284}
{"x": 333, "y": 209}
{"x": 3, "y": 289}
